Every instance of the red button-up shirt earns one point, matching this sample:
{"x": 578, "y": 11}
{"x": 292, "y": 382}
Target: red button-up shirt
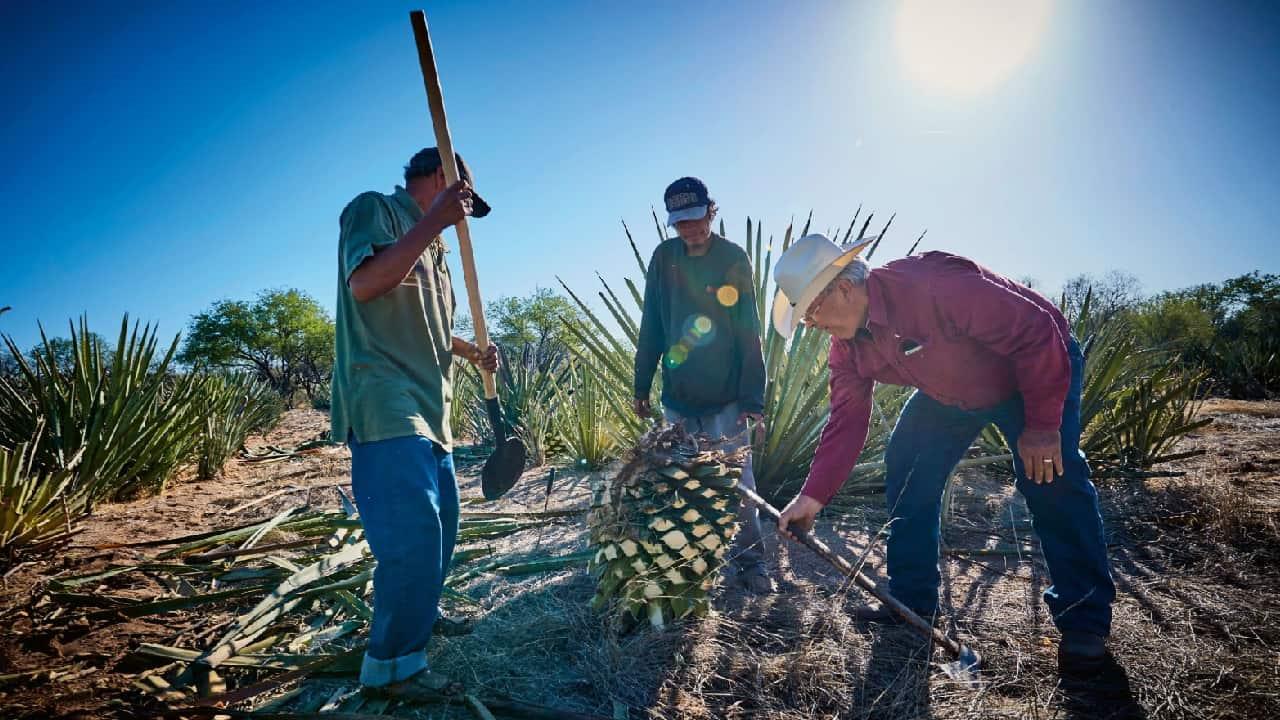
{"x": 962, "y": 334}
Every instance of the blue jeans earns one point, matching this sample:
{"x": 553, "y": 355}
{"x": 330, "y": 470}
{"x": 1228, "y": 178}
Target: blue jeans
{"x": 408, "y": 501}
{"x": 928, "y": 441}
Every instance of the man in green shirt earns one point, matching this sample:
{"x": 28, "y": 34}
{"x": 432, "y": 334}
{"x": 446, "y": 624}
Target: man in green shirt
{"x": 700, "y": 319}
{"x": 392, "y": 389}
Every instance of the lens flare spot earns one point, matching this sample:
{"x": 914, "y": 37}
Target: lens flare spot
{"x": 702, "y": 325}
{"x": 677, "y": 355}
{"x": 727, "y": 295}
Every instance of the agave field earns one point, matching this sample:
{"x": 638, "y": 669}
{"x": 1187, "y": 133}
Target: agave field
{"x": 110, "y": 425}
{"x": 650, "y": 530}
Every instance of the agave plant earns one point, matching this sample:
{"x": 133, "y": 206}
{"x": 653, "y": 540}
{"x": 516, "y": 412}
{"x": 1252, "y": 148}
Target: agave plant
{"x": 1247, "y": 367}
{"x": 466, "y": 394}
{"x": 796, "y": 390}
{"x": 1137, "y": 402}
{"x": 235, "y": 406}
{"x": 612, "y": 358}
{"x": 35, "y": 507}
{"x": 527, "y": 379}
{"x": 127, "y": 420}
{"x": 322, "y": 397}
{"x": 585, "y": 425}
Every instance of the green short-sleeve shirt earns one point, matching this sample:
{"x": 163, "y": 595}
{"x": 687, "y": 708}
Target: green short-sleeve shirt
{"x": 393, "y": 361}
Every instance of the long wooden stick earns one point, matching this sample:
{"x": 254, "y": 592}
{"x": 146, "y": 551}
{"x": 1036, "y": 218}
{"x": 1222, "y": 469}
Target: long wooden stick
{"x": 435, "y": 101}
{"x": 968, "y": 657}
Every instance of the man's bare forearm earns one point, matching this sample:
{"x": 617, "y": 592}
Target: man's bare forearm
{"x": 389, "y": 266}
{"x": 465, "y": 350}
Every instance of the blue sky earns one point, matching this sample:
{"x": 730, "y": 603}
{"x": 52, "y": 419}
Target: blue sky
{"x": 164, "y": 156}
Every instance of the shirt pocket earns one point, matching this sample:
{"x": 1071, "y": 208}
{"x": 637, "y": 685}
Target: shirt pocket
{"x": 915, "y": 356}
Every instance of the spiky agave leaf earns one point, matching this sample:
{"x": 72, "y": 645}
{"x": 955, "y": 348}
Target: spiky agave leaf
{"x": 33, "y": 506}
{"x": 585, "y": 428}
{"x": 1137, "y": 401}
{"x": 662, "y": 525}
{"x": 120, "y": 411}
{"x": 236, "y": 404}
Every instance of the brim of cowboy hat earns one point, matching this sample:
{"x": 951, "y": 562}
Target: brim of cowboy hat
{"x": 787, "y": 314}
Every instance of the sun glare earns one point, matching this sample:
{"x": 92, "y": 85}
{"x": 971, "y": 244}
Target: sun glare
{"x": 967, "y": 47}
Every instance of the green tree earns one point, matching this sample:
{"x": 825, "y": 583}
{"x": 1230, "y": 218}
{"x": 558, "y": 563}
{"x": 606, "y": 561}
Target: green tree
{"x": 535, "y": 321}
{"x": 1109, "y": 295}
{"x": 9, "y": 367}
{"x": 1251, "y": 304}
{"x": 1231, "y": 329}
{"x": 63, "y": 350}
{"x": 1174, "y": 320}
{"x": 284, "y": 337}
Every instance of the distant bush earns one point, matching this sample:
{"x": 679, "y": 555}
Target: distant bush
{"x": 1231, "y": 330}
{"x": 322, "y": 398}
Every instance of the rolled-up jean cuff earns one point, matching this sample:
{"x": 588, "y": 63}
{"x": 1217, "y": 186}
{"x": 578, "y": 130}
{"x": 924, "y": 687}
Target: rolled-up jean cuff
{"x": 376, "y": 673}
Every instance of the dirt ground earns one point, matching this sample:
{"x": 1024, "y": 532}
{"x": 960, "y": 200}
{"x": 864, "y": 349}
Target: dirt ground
{"x": 1196, "y": 558}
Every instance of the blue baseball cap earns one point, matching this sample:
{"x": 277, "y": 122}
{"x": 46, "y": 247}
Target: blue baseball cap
{"x": 686, "y": 199}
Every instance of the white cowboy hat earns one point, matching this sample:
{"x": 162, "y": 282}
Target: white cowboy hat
{"x": 803, "y": 271}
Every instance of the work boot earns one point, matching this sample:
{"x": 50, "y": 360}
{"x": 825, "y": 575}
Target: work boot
{"x": 755, "y": 579}
{"x": 882, "y": 615}
{"x": 448, "y": 627}
{"x": 421, "y": 687}
{"x": 1081, "y": 653}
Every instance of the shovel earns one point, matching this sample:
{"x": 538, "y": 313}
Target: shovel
{"x": 968, "y": 662}
{"x": 506, "y": 464}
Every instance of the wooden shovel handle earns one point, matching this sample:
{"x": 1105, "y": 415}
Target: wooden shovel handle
{"x": 435, "y": 101}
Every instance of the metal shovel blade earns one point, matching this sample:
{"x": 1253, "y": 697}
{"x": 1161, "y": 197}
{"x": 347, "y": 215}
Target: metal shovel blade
{"x": 506, "y": 464}
{"x": 966, "y": 669}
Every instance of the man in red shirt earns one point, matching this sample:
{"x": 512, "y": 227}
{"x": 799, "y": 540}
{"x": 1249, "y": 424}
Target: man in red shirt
{"x": 980, "y": 349}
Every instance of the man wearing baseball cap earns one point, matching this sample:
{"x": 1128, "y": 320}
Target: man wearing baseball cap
{"x": 392, "y": 389}
{"x": 980, "y": 348}
{"x": 700, "y": 320}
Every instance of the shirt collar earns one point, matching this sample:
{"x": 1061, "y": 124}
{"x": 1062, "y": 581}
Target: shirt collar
{"x": 875, "y": 300}
{"x": 711, "y": 243}
{"x": 875, "y": 309}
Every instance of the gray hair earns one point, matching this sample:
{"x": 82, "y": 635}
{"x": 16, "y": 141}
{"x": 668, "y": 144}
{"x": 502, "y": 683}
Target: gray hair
{"x": 855, "y": 272}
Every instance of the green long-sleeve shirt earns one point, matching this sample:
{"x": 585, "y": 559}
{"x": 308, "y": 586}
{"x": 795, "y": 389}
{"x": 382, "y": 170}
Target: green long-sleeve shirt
{"x": 700, "y": 320}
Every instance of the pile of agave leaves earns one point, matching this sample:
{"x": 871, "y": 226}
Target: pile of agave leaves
{"x": 313, "y": 571}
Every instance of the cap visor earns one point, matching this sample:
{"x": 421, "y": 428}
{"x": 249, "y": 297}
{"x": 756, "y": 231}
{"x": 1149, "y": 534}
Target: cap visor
{"x": 697, "y": 212}
{"x": 479, "y": 208}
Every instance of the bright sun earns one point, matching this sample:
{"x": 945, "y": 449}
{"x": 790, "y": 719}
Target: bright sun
{"x": 956, "y": 47}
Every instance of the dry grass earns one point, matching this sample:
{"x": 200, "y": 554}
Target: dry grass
{"x": 541, "y": 643}
{"x": 1196, "y": 630}
{"x": 1252, "y": 408}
